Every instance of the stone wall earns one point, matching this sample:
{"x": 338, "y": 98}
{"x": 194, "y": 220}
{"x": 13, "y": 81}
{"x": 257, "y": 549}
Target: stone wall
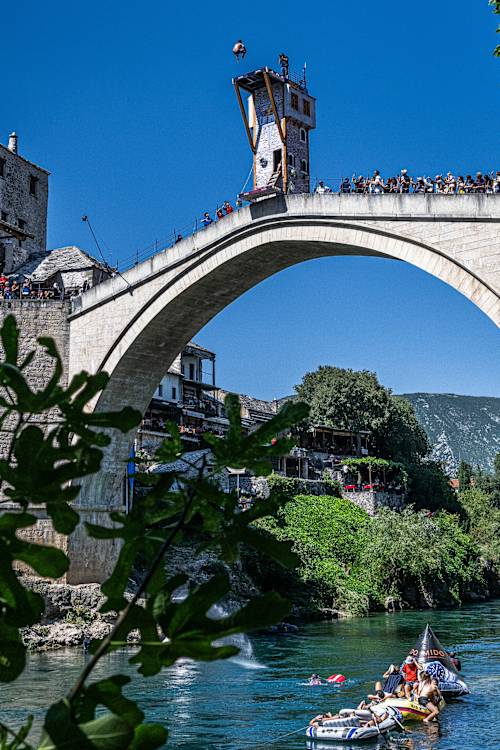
{"x": 37, "y": 318}
{"x": 19, "y": 206}
{"x": 374, "y": 501}
{"x": 91, "y": 560}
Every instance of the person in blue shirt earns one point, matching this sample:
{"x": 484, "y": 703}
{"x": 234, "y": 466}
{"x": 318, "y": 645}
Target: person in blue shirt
{"x": 207, "y": 219}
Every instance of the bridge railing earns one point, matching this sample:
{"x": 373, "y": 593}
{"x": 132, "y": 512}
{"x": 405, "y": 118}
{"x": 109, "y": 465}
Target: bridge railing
{"x": 331, "y": 185}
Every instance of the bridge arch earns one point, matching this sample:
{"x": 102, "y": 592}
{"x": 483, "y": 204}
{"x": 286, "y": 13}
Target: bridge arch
{"x": 144, "y": 319}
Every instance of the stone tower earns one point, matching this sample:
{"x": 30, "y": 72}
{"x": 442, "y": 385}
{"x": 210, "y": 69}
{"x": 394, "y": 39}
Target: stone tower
{"x": 23, "y": 207}
{"x": 281, "y": 114}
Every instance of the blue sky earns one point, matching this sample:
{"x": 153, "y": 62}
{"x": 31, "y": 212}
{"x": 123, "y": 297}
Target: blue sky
{"x": 130, "y": 106}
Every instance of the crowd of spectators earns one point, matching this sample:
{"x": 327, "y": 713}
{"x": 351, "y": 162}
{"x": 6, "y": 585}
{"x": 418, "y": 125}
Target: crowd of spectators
{"x": 220, "y": 212}
{"x": 404, "y": 183}
{"x": 12, "y": 288}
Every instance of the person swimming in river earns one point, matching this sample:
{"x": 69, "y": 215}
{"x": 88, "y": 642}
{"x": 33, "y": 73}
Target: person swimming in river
{"x": 315, "y": 679}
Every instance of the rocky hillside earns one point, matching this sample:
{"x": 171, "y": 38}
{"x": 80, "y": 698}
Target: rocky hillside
{"x": 459, "y": 427}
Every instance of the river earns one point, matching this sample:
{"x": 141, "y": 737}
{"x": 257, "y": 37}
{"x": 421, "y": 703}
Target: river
{"x": 263, "y": 694}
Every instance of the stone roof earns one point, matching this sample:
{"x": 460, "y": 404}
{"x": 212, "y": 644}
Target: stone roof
{"x": 188, "y": 464}
{"x": 257, "y": 404}
{"x": 42, "y": 267}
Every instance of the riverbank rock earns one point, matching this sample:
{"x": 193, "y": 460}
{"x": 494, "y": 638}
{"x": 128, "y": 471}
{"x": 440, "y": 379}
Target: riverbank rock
{"x": 71, "y": 614}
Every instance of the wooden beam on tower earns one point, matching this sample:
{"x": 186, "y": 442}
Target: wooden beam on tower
{"x": 269, "y": 88}
{"x": 243, "y": 114}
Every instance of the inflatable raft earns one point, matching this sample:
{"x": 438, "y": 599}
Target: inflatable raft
{"x": 430, "y": 653}
{"x": 347, "y": 729}
{"x": 410, "y": 710}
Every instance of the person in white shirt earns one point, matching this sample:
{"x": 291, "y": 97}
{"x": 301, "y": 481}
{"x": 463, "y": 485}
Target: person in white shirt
{"x": 322, "y": 188}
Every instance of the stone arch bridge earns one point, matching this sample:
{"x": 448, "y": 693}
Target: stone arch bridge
{"x": 134, "y": 326}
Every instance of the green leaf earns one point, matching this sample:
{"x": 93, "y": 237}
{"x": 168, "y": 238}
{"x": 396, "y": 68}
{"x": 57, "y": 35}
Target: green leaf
{"x": 269, "y": 545}
{"x": 108, "y": 693}
{"x": 12, "y": 653}
{"x": 108, "y": 732}
{"x": 48, "y": 562}
{"x": 64, "y": 518}
{"x": 149, "y": 737}
{"x": 10, "y": 339}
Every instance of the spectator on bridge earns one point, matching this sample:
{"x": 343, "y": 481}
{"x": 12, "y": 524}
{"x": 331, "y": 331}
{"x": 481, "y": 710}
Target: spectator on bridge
{"x": 219, "y": 213}
{"x": 420, "y": 186}
{"x": 345, "y": 185}
{"x": 15, "y": 290}
{"x": 359, "y": 183}
{"x": 228, "y": 208}
{"x": 460, "y": 185}
{"x": 469, "y": 184}
{"x": 488, "y": 183}
{"x": 322, "y": 188}
{"x": 404, "y": 181}
{"x": 450, "y": 183}
{"x": 26, "y": 289}
{"x": 376, "y": 184}
{"x": 439, "y": 183}
{"x": 479, "y": 184}
{"x": 178, "y": 239}
{"x": 496, "y": 183}
{"x": 391, "y": 186}
{"x": 207, "y": 219}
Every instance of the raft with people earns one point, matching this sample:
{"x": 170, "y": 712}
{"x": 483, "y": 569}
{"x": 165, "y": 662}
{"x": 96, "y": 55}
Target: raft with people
{"x": 417, "y": 691}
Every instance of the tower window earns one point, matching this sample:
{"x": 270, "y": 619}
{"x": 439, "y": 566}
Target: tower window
{"x": 291, "y": 160}
{"x": 307, "y": 107}
{"x": 303, "y": 166}
{"x": 174, "y": 392}
{"x": 2, "y": 167}
{"x": 303, "y": 135}
{"x": 294, "y": 101}
{"x": 33, "y": 185}
{"x": 160, "y": 391}
{"x": 191, "y": 371}
{"x": 4, "y": 215}
{"x": 21, "y": 223}
{"x": 276, "y": 159}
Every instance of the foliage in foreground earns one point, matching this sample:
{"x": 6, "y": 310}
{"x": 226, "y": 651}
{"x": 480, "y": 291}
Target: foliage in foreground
{"x": 45, "y": 466}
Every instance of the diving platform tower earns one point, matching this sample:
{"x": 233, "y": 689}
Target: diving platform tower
{"x": 278, "y": 120}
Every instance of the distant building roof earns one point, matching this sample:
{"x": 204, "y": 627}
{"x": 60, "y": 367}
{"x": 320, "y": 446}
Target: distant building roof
{"x": 257, "y": 404}
{"x": 198, "y": 350}
{"x": 18, "y": 156}
{"x": 69, "y": 260}
{"x": 188, "y": 464}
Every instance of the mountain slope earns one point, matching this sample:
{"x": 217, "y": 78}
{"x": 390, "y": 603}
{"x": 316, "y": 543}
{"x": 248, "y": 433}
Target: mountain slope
{"x": 459, "y": 427}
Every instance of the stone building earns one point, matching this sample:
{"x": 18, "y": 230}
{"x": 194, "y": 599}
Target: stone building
{"x": 281, "y": 114}
{"x": 185, "y": 396}
{"x": 70, "y": 268}
{"x": 24, "y": 189}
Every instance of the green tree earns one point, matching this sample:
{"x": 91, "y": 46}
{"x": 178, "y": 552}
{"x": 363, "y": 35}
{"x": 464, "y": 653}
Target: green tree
{"x": 483, "y": 523}
{"x": 403, "y": 439}
{"x": 465, "y": 475}
{"x": 429, "y": 488}
{"x": 356, "y": 401}
{"x": 411, "y": 550}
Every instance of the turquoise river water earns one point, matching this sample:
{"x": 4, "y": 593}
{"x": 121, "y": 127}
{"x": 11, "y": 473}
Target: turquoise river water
{"x": 254, "y": 699}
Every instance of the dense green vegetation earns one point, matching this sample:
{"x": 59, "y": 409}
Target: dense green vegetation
{"x": 354, "y": 563}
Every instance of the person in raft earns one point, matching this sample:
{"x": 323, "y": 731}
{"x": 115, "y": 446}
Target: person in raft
{"x": 393, "y": 681}
{"x": 427, "y": 694}
{"x": 410, "y": 670}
